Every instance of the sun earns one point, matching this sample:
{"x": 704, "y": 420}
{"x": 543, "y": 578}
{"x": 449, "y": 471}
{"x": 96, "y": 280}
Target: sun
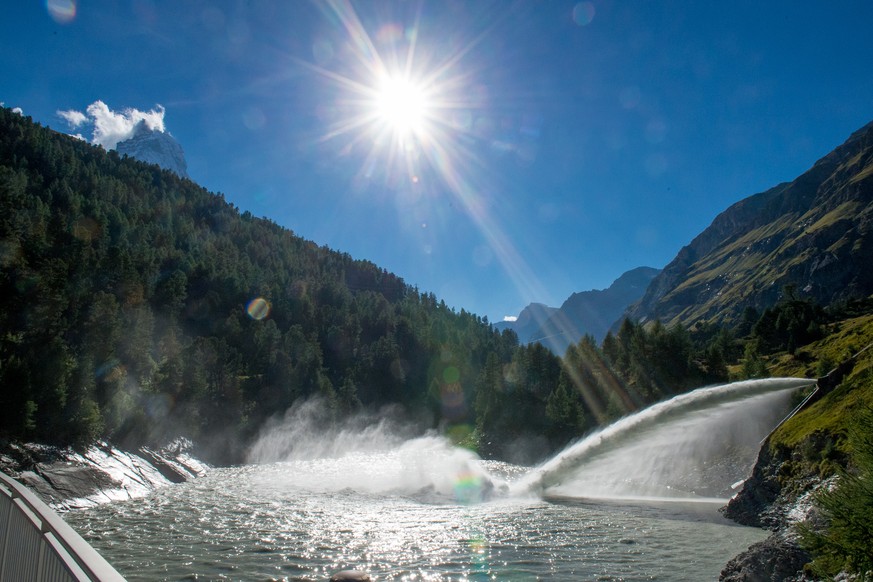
{"x": 413, "y": 109}
{"x": 402, "y": 104}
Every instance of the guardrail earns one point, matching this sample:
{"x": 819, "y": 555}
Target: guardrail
{"x": 37, "y": 545}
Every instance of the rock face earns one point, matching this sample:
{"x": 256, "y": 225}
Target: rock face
{"x": 588, "y": 312}
{"x": 755, "y": 505}
{"x": 776, "y": 558}
{"x": 155, "y": 147}
{"x": 815, "y": 233}
{"x": 66, "y": 479}
{"x": 777, "y": 504}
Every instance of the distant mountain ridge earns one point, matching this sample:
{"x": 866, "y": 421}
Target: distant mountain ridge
{"x": 587, "y": 312}
{"x": 813, "y": 234}
{"x": 155, "y": 147}
{"x": 529, "y": 321}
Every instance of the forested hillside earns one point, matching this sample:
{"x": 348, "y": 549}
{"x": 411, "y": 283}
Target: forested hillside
{"x": 137, "y": 306}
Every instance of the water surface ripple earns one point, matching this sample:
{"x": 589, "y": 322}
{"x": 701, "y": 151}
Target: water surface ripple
{"x": 258, "y": 523}
{"x": 631, "y": 502}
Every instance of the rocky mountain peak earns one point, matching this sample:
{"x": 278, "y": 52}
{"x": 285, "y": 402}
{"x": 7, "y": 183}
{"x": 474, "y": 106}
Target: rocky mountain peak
{"x": 155, "y": 147}
{"x": 814, "y": 234}
{"x": 586, "y": 312}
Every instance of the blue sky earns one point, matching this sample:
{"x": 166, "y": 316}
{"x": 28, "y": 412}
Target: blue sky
{"x": 559, "y": 144}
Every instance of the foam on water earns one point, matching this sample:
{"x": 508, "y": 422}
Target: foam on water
{"x": 428, "y": 468}
{"x": 368, "y": 454}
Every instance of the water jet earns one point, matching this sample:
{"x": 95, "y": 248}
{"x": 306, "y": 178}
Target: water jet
{"x": 693, "y": 446}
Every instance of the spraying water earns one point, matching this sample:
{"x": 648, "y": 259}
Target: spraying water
{"x": 371, "y": 454}
{"x": 692, "y": 446}
{"x": 375, "y": 495}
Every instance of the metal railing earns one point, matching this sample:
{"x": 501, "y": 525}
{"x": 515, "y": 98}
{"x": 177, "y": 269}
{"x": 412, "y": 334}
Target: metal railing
{"x": 37, "y": 545}
{"x": 810, "y": 398}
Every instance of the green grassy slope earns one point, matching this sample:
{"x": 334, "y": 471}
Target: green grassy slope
{"x": 826, "y": 420}
{"x": 814, "y": 234}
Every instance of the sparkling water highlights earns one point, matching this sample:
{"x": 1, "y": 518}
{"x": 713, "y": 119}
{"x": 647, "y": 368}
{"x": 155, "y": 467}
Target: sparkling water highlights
{"x": 274, "y": 522}
{"x": 371, "y": 497}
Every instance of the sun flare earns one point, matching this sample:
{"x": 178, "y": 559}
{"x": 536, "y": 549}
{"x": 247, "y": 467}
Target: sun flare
{"x": 402, "y": 104}
{"x": 414, "y": 109}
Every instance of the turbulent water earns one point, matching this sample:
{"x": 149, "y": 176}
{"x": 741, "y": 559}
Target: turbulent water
{"x": 420, "y": 509}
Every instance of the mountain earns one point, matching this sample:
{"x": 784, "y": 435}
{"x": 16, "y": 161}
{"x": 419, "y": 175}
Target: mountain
{"x": 811, "y": 236}
{"x": 593, "y": 312}
{"x": 529, "y": 321}
{"x": 588, "y": 312}
{"x": 155, "y": 147}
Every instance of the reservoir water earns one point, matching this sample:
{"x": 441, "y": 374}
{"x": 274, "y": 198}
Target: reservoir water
{"x": 421, "y": 509}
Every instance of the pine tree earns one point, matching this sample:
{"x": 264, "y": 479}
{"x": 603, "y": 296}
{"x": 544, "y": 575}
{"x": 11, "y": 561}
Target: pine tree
{"x": 845, "y": 543}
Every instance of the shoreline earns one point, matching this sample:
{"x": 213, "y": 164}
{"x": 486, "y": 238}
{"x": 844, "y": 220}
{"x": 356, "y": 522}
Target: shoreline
{"x": 67, "y": 479}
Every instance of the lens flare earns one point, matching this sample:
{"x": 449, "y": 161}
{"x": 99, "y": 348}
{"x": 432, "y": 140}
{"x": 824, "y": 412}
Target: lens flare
{"x": 583, "y": 13}
{"x": 85, "y": 229}
{"x": 61, "y": 11}
{"x": 469, "y": 488}
{"x": 451, "y": 375}
{"x": 258, "y": 308}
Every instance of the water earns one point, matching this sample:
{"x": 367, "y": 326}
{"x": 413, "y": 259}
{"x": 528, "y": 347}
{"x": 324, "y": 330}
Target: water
{"x": 403, "y": 508}
{"x": 694, "y": 445}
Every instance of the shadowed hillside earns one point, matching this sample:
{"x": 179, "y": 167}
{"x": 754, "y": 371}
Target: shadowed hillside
{"x": 137, "y": 306}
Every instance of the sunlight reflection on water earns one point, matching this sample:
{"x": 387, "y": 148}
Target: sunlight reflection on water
{"x": 369, "y": 495}
{"x": 263, "y": 522}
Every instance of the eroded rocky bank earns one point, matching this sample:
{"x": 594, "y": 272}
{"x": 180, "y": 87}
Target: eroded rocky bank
{"x": 68, "y": 479}
{"x": 780, "y": 492}
{"x": 770, "y": 499}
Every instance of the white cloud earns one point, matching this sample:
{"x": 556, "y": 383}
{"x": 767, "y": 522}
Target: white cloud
{"x": 17, "y": 110}
{"x": 510, "y": 318}
{"x": 110, "y": 127}
{"x": 72, "y": 117}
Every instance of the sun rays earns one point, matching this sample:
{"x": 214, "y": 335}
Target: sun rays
{"x": 413, "y": 111}
{"x": 395, "y": 102}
